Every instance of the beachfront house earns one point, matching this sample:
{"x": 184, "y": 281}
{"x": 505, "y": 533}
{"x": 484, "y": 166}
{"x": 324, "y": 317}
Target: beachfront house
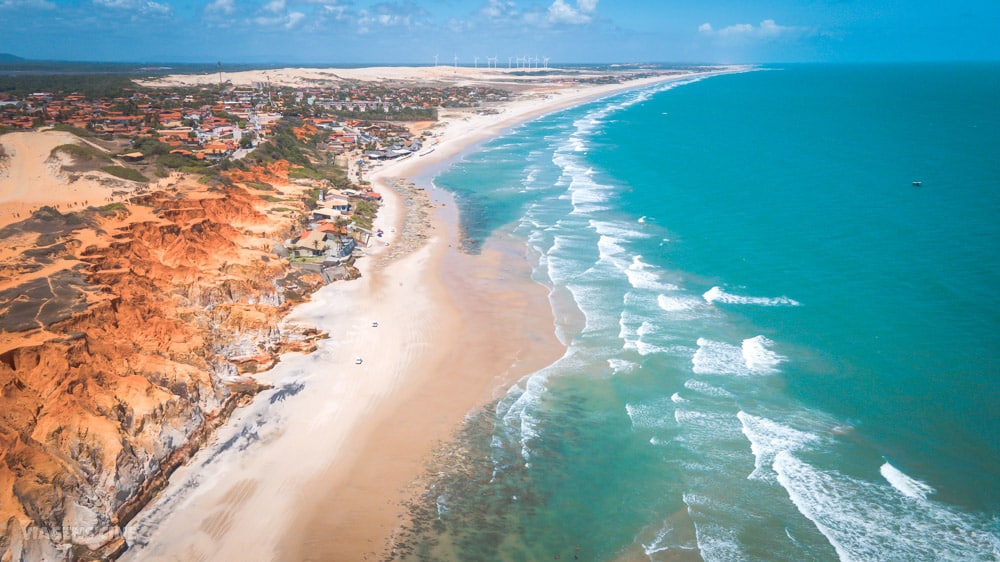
{"x": 338, "y": 204}
{"x": 311, "y": 243}
{"x": 326, "y": 239}
{"x": 329, "y": 214}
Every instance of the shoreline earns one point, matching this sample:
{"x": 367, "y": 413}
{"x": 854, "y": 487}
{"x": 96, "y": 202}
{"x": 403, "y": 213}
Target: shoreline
{"x": 318, "y": 467}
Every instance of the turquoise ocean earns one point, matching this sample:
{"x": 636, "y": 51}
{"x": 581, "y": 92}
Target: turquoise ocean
{"x": 779, "y": 347}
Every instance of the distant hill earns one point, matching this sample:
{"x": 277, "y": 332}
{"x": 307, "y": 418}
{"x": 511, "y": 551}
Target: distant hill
{"x": 7, "y": 57}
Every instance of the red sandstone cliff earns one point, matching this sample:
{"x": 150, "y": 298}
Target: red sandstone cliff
{"x": 125, "y": 337}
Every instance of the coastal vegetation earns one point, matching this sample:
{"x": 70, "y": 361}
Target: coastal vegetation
{"x": 81, "y": 153}
{"x": 90, "y": 86}
{"x": 125, "y": 173}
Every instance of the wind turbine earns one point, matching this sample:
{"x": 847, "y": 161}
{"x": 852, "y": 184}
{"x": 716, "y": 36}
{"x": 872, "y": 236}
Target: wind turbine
{"x": 508, "y": 62}
{"x": 435, "y": 60}
{"x": 546, "y": 60}
{"x": 456, "y": 61}
{"x": 477, "y": 62}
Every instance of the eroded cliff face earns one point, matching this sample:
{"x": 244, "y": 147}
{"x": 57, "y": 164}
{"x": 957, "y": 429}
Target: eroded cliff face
{"x": 126, "y": 335}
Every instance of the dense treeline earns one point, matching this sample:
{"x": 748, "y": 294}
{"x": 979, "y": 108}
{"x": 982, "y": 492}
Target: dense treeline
{"x": 92, "y": 86}
{"x": 403, "y": 114}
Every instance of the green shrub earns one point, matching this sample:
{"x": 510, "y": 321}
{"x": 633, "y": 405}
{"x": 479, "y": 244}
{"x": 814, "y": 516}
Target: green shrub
{"x": 179, "y": 161}
{"x": 80, "y": 152}
{"x": 150, "y": 146}
{"x": 110, "y": 209}
{"x": 125, "y": 173}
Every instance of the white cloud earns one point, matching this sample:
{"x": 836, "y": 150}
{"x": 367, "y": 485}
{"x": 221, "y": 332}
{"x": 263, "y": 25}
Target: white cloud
{"x": 767, "y": 30}
{"x": 221, "y": 6}
{"x": 293, "y": 19}
{"x": 274, "y": 14}
{"x": 37, "y": 4}
{"x": 287, "y": 21}
{"x": 141, "y": 6}
{"x": 403, "y": 14}
{"x": 499, "y": 9}
{"x": 561, "y": 12}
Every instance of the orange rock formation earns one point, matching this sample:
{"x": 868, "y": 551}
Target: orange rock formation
{"x": 125, "y": 336}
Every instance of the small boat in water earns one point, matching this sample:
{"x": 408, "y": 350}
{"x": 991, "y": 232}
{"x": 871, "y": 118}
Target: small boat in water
{"x": 916, "y": 183}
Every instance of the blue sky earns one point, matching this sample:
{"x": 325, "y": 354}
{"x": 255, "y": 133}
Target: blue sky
{"x": 414, "y": 31}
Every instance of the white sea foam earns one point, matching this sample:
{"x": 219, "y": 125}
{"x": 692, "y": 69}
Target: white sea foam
{"x": 673, "y": 304}
{"x": 609, "y": 246}
{"x": 866, "y": 520}
{"x": 650, "y": 415}
{"x": 715, "y": 542}
{"x": 665, "y": 541}
{"x": 719, "y": 358}
{"x": 718, "y": 294}
{"x": 658, "y": 544}
{"x": 907, "y": 486}
{"x": 642, "y": 275}
{"x": 621, "y": 365}
{"x": 758, "y": 358}
{"x": 591, "y": 302}
{"x": 645, "y": 348}
{"x": 516, "y": 411}
{"x": 616, "y": 229}
{"x": 707, "y": 389}
{"x": 627, "y": 331}
{"x": 681, "y": 306}
{"x": 676, "y": 398}
{"x": 767, "y": 439}
{"x": 710, "y": 422}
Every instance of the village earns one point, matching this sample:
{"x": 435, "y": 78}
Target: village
{"x": 353, "y": 127}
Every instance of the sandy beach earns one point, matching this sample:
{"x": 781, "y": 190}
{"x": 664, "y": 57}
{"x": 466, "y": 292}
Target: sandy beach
{"x": 318, "y": 467}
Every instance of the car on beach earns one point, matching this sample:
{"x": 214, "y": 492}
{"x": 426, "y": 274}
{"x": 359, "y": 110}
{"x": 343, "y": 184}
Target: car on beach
{"x": 358, "y": 360}
{"x": 374, "y": 324}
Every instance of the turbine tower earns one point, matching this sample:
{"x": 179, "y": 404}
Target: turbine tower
{"x": 435, "y": 60}
{"x": 477, "y": 62}
{"x": 456, "y": 61}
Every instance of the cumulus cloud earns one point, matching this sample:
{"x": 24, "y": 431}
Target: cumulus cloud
{"x": 561, "y": 12}
{"x": 330, "y": 8}
{"x": 275, "y": 14}
{"x": 287, "y": 21}
{"x": 36, "y": 4}
{"x": 140, "y": 6}
{"x": 221, "y": 6}
{"x": 499, "y": 9}
{"x": 767, "y": 29}
{"x": 405, "y": 14}
{"x": 293, "y": 19}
